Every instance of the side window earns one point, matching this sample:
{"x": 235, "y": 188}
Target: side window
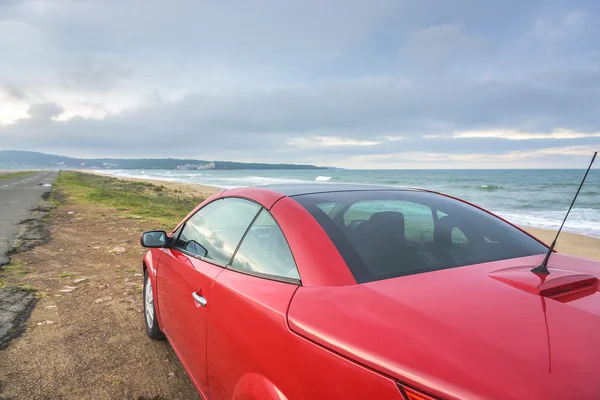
{"x": 326, "y": 207}
{"x": 215, "y": 231}
{"x": 264, "y": 250}
{"x": 458, "y": 236}
{"x": 417, "y": 219}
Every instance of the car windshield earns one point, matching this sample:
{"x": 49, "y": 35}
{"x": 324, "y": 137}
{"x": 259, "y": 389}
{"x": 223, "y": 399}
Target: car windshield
{"x": 387, "y": 234}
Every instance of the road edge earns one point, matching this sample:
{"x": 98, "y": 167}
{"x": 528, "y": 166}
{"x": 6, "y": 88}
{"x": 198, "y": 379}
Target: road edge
{"x": 17, "y": 303}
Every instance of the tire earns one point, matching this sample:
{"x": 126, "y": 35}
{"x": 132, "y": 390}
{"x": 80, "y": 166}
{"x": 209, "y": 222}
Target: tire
{"x": 152, "y": 329}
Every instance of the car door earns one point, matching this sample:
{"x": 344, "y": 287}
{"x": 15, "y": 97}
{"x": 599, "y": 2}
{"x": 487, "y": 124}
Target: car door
{"x": 248, "y": 332}
{"x": 187, "y": 273}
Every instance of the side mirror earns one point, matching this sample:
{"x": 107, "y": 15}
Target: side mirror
{"x": 153, "y": 239}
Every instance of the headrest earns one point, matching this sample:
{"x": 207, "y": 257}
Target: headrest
{"x": 388, "y": 218}
{"x": 443, "y": 231}
{"x": 382, "y": 227}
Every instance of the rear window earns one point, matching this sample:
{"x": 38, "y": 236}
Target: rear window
{"x": 387, "y": 234}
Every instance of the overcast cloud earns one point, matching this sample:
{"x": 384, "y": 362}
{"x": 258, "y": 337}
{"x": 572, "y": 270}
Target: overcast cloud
{"x": 360, "y": 83}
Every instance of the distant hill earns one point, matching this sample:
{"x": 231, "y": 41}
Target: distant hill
{"x": 15, "y": 159}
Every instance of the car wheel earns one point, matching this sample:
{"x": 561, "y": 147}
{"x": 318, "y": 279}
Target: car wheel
{"x": 152, "y": 329}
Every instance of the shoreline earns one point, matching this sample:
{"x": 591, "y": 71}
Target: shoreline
{"x": 570, "y": 243}
{"x": 187, "y": 188}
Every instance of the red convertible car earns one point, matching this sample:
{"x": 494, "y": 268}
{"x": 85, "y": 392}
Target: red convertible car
{"x": 347, "y": 292}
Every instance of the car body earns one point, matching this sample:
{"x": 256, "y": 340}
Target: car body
{"x": 332, "y": 291}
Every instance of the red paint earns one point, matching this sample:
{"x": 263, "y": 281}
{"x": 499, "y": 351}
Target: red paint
{"x": 252, "y": 351}
{"x": 183, "y": 321}
{"x": 556, "y": 284}
{"x": 322, "y": 265}
{"x": 460, "y": 333}
{"x": 265, "y": 197}
{"x": 412, "y": 394}
{"x": 473, "y": 332}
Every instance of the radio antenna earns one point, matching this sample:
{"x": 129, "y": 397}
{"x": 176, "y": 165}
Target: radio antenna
{"x": 543, "y": 267}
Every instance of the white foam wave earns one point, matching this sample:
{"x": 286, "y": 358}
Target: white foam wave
{"x": 585, "y": 221}
{"x": 322, "y": 178}
{"x": 139, "y": 175}
{"x": 231, "y": 182}
{"x": 210, "y": 179}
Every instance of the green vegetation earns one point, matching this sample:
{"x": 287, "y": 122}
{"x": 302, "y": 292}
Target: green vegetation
{"x": 27, "y": 287}
{"x": 133, "y": 199}
{"x": 30, "y": 159}
{"x": 66, "y": 275}
{"x": 238, "y": 165}
{"x": 7, "y": 175}
{"x": 12, "y": 269}
{"x": 14, "y": 265}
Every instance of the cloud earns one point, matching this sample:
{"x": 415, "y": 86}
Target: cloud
{"x": 352, "y": 117}
{"x": 436, "y": 46}
{"x": 88, "y": 74}
{"x": 15, "y": 92}
{"x": 512, "y": 134}
{"x": 44, "y": 111}
{"x": 312, "y": 81}
{"x": 329, "y": 141}
{"x": 434, "y": 160}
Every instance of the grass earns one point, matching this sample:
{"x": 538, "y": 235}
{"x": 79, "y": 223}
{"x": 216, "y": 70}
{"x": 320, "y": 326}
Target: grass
{"x": 130, "y": 198}
{"x": 27, "y": 287}
{"x": 9, "y": 276}
{"x": 13, "y": 265}
{"x": 8, "y": 175}
{"x": 66, "y": 275}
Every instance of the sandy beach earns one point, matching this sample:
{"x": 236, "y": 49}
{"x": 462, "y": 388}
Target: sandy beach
{"x": 569, "y": 243}
{"x": 190, "y": 189}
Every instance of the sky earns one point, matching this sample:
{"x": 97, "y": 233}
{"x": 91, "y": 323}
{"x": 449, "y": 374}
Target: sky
{"x": 345, "y": 83}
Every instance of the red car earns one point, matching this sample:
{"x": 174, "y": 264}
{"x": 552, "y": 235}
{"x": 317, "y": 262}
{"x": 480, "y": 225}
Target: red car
{"x": 359, "y": 292}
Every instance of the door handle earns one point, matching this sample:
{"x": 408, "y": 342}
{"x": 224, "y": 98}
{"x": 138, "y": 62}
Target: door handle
{"x": 199, "y": 299}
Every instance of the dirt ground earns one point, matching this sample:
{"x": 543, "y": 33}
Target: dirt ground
{"x": 85, "y": 338}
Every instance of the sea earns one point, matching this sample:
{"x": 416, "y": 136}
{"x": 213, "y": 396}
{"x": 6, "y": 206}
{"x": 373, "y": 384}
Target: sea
{"x": 530, "y": 198}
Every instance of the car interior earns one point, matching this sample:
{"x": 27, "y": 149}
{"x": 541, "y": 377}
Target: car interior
{"x": 384, "y": 242}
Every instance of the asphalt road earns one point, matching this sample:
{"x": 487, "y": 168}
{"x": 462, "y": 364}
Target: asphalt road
{"x": 18, "y": 196}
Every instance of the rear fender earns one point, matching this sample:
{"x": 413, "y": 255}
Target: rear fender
{"x": 254, "y": 386}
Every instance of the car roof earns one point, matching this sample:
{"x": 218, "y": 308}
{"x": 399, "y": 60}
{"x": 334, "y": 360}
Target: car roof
{"x": 297, "y": 189}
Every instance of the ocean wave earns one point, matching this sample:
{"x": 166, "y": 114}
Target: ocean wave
{"x": 322, "y": 178}
{"x": 490, "y": 188}
{"x": 240, "y": 181}
{"x": 585, "y": 221}
{"x": 138, "y": 175}
{"x": 225, "y": 182}
{"x": 589, "y": 193}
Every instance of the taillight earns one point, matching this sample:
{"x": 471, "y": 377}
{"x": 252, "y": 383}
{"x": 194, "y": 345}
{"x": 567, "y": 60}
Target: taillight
{"x": 412, "y": 394}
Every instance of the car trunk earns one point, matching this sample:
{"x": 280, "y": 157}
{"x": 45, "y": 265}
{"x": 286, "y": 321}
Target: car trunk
{"x": 492, "y": 330}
